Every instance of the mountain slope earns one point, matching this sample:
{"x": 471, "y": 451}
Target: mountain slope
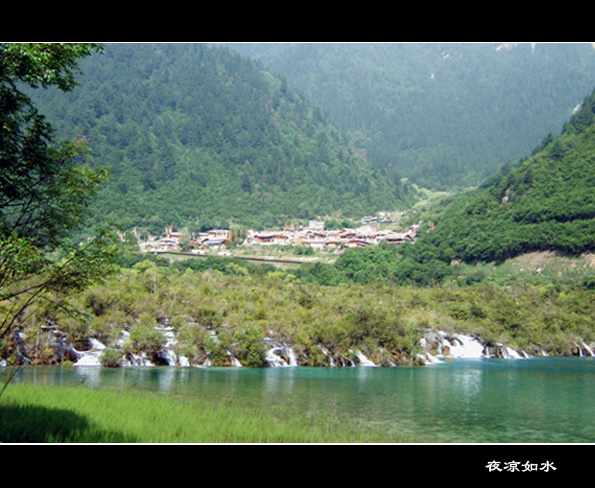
{"x": 199, "y": 136}
{"x": 544, "y": 203}
{"x": 442, "y": 114}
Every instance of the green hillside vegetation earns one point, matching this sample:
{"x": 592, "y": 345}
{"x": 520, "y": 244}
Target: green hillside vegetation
{"x": 226, "y": 306}
{"x": 444, "y": 115}
{"x": 544, "y": 203}
{"x": 200, "y": 136}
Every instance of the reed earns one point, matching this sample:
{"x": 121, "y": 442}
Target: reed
{"x": 37, "y": 414}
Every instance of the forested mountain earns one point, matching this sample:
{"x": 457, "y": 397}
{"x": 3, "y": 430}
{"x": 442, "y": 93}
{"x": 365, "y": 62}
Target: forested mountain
{"x": 443, "y": 114}
{"x": 200, "y": 136}
{"x": 546, "y": 202}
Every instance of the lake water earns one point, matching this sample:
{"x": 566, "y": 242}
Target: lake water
{"x": 538, "y": 400}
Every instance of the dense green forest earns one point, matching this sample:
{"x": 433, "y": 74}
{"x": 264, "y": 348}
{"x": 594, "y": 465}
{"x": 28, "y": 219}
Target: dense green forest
{"x": 444, "y": 115}
{"x": 199, "y": 136}
{"x": 543, "y": 203}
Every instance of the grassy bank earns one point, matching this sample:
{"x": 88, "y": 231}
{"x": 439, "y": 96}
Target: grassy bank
{"x": 35, "y": 414}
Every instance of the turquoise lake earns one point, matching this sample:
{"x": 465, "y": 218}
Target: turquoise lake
{"x": 538, "y": 400}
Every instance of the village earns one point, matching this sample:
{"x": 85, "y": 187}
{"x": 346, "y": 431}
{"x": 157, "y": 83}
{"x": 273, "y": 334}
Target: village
{"x": 313, "y": 236}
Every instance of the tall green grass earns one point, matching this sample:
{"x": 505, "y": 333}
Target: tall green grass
{"x": 36, "y": 414}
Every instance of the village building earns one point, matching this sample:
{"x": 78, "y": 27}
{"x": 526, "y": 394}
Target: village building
{"x": 314, "y": 236}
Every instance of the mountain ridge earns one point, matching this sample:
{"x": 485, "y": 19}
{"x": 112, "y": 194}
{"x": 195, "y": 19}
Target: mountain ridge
{"x": 198, "y": 136}
{"x": 444, "y": 115}
{"x": 544, "y": 202}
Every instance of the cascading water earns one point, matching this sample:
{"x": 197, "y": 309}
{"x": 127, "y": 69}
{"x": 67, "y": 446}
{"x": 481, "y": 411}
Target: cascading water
{"x": 279, "y": 355}
{"x": 588, "y": 349}
{"x": 437, "y": 345}
{"x": 233, "y": 360}
{"x": 444, "y": 345}
{"x": 463, "y": 346}
{"x": 363, "y": 360}
{"x": 92, "y": 357}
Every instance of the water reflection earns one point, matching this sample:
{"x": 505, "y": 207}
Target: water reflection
{"x": 550, "y": 400}
{"x": 90, "y": 377}
{"x": 468, "y": 383}
{"x": 279, "y": 381}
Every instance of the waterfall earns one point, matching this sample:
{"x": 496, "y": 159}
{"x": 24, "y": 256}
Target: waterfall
{"x": 588, "y": 349}
{"x": 279, "y": 355}
{"x": 363, "y": 360}
{"x": 169, "y": 354}
{"x": 141, "y": 360}
{"x": 510, "y": 353}
{"x": 464, "y": 346}
{"x": 437, "y": 346}
{"x": 327, "y": 354}
{"x": 92, "y": 357}
{"x": 579, "y": 350}
{"x": 234, "y": 361}
{"x": 428, "y": 358}
{"x": 274, "y": 360}
{"x": 292, "y": 357}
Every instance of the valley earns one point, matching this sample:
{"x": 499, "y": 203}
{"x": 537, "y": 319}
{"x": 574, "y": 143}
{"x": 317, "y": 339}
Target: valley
{"x": 311, "y": 242}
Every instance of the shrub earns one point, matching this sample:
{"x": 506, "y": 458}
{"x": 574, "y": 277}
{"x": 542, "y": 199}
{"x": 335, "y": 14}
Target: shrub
{"x": 145, "y": 339}
{"x": 250, "y": 348}
{"x": 111, "y": 358}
